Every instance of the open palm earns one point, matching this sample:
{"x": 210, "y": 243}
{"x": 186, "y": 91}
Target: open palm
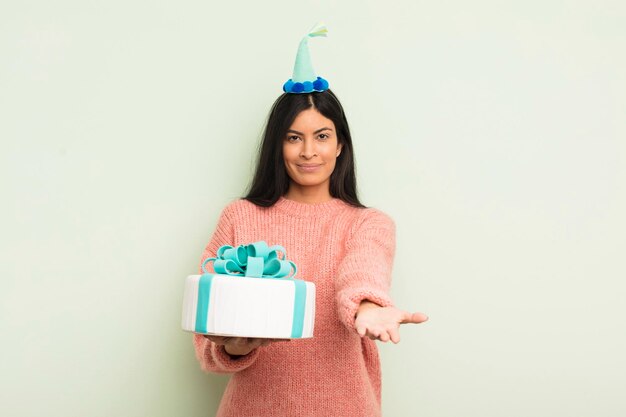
{"x": 383, "y": 323}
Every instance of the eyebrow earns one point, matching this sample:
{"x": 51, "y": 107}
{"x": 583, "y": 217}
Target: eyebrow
{"x": 317, "y": 131}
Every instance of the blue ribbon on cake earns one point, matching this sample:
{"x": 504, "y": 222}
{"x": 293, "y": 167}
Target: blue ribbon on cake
{"x": 256, "y": 260}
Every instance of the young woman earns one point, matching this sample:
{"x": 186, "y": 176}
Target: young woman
{"x": 303, "y": 197}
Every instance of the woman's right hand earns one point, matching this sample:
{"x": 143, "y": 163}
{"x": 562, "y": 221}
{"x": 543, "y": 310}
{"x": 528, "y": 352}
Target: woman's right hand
{"x": 239, "y": 346}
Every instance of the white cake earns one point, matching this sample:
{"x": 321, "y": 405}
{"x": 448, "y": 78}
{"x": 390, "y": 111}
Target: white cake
{"x": 249, "y": 307}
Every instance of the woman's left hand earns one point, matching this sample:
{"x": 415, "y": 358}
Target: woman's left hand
{"x": 383, "y": 323}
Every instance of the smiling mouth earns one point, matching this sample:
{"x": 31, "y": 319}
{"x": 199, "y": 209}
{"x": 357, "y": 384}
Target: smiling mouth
{"x": 309, "y": 168}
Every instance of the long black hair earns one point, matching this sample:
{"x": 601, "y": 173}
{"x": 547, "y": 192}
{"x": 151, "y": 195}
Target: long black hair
{"x": 271, "y": 180}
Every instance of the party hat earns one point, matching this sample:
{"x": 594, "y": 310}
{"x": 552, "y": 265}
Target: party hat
{"x": 304, "y": 79}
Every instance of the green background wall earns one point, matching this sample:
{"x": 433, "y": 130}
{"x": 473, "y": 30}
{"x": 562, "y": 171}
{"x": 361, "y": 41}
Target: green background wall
{"x": 494, "y": 133}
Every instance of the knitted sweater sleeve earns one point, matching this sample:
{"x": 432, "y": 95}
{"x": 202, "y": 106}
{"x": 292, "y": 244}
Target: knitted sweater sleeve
{"x": 365, "y": 270}
{"x": 213, "y": 357}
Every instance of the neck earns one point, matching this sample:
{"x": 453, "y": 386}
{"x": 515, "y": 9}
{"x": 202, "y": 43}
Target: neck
{"x": 309, "y": 195}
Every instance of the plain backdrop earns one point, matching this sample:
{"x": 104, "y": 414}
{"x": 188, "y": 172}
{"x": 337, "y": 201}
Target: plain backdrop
{"x": 494, "y": 133}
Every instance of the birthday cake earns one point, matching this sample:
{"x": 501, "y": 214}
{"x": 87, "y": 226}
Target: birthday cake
{"x": 253, "y": 293}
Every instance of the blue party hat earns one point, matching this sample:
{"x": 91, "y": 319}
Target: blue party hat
{"x": 304, "y": 79}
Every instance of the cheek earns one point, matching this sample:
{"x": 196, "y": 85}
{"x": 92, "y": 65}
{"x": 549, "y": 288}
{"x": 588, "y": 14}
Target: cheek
{"x": 333, "y": 164}
{"x": 330, "y": 154}
{"x": 287, "y": 153}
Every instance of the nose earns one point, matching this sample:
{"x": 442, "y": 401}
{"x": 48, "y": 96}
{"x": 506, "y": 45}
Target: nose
{"x": 308, "y": 150}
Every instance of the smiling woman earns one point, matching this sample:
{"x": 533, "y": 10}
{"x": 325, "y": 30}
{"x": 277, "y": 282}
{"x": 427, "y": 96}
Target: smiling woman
{"x": 310, "y": 155}
{"x": 304, "y": 197}
{"x": 306, "y": 152}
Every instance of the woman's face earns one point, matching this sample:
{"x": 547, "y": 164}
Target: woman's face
{"x": 310, "y": 149}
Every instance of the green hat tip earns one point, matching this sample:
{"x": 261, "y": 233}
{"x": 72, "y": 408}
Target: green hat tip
{"x": 304, "y": 79}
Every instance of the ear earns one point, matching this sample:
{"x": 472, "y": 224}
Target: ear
{"x": 339, "y": 148}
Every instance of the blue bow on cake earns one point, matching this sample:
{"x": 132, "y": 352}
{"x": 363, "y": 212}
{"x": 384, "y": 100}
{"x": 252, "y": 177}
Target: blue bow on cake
{"x": 256, "y": 260}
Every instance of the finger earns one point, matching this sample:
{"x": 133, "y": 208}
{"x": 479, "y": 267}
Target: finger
{"x": 240, "y": 341}
{"x": 373, "y": 334}
{"x": 255, "y": 343}
{"x": 218, "y": 340}
{"x": 269, "y": 341}
{"x": 394, "y": 334}
{"x": 384, "y": 337}
{"x": 414, "y": 318}
{"x": 361, "y": 330}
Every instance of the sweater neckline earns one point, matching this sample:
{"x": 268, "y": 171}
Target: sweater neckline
{"x": 308, "y": 209}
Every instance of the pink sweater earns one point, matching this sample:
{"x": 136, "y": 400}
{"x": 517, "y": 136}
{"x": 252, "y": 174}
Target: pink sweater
{"x": 348, "y": 253}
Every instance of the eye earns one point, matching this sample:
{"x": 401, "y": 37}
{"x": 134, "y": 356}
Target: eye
{"x": 323, "y": 136}
{"x": 292, "y": 138}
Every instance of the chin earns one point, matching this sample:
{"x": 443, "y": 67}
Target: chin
{"x": 310, "y": 182}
